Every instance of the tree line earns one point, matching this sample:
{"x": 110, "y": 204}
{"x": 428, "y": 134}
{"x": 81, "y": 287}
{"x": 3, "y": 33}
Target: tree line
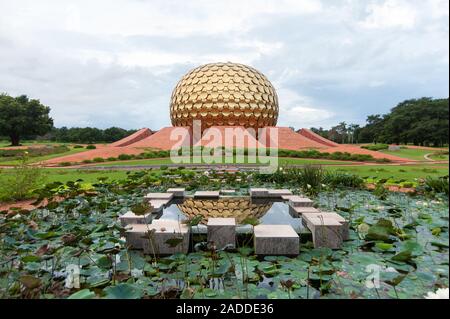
{"x": 423, "y": 121}
{"x": 25, "y": 118}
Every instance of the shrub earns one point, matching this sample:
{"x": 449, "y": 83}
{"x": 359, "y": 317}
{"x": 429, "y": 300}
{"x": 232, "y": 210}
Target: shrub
{"x": 91, "y": 147}
{"x": 376, "y": 147}
{"x": 98, "y": 159}
{"x": 437, "y": 185}
{"x": 86, "y": 161}
{"x": 338, "y": 179}
{"x": 21, "y": 182}
{"x": 78, "y": 146}
{"x": 65, "y": 164}
{"x": 111, "y": 159}
{"x": 383, "y": 160}
{"x": 124, "y": 157}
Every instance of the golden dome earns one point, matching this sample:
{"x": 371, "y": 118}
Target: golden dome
{"x": 224, "y": 94}
{"x": 239, "y": 208}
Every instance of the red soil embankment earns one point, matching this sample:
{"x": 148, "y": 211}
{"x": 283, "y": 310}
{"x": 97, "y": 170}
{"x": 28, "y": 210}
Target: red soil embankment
{"x": 133, "y": 138}
{"x": 316, "y": 137}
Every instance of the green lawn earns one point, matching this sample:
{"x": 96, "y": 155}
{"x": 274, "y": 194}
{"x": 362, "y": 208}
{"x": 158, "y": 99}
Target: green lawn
{"x": 166, "y": 161}
{"x": 7, "y": 161}
{"x": 65, "y": 175}
{"x": 407, "y": 172}
{"x": 439, "y": 157}
{"x": 409, "y": 153}
{"x": 7, "y": 143}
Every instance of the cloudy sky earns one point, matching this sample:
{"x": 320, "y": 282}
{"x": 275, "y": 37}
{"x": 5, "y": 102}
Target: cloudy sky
{"x": 115, "y": 62}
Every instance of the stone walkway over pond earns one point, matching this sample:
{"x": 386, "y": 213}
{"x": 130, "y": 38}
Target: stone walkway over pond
{"x": 164, "y": 237}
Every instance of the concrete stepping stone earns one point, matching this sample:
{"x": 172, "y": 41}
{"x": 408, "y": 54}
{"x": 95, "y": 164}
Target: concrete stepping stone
{"x": 288, "y": 197}
{"x": 165, "y": 230}
{"x": 258, "y": 192}
{"x": 206, "y": 194}
{"x": 227, "y": 191}
{"x": 158, "y": 204}
{"x": 277, "y": 193}
{"x": 333, "y": 215}
{"x": 326, "y": 232}
{"x": 177, "y": 192}
{"x": 167, "y": 196}
{"x": 131, "y": 218}
{"x": 296, "y": 212}
{"x": 300, "y": 202}
{"x": 276, "y": 240}
{"x": 222, "y": 231}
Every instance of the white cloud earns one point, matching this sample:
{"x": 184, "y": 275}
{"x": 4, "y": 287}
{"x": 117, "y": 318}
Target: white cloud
{"x": 299, "y": 111}
{"x": 391, "y": 13}
{"x": 115, "y": 62}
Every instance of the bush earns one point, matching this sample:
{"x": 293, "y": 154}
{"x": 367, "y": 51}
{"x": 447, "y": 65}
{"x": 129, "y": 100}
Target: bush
{"x": 21, "y": 182}
{"x": 383, "y": 160}
{"x": 86, "y": 161}
{"x": 78, "y": 146}
{"x": 111, "y": 159}
{"x": 65, "y": 164}
{"x": 437, "y": 185}
{"x": 91, "y": 147}
{"x": 376, "y": 147}
{"x": 124, "y": 157}
{"x": 98, "y": 159}
{"x": 337, "y": 179}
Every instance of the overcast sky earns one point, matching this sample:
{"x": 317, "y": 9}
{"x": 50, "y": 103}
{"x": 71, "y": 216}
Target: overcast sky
{"x": 114, "y": 62}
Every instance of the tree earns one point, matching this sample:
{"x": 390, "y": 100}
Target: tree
{"x": 21, "y": 116}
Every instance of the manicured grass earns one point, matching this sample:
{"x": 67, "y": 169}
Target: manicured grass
{"x": 407, "y": 172}
{"x": 166, "y": 161}
{"x": 409, "y": 153}
{"x": 65, "y": 175}
{"x": 439, "y": 157}
{"x": 42, "y": 158}
{"x": 7, "y": 143}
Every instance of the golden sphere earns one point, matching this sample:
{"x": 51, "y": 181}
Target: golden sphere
{"x": 224, "y": 94}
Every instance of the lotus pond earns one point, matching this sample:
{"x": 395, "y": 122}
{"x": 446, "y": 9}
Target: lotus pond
{"x": 398, "y": 248}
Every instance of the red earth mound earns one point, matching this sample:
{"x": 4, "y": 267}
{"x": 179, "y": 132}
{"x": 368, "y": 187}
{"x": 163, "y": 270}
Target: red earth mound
{"x": 133, "y": 138}
{"x": 168, "y": 137}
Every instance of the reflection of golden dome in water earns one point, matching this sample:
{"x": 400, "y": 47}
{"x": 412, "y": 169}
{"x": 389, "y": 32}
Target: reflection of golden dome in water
{"x": 224, "y": 94}
{"x": 239, "y": 208}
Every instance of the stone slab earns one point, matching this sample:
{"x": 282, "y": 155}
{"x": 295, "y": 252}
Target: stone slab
{"x": 258, "y": 192}
{"x": 227, "y": 191}
{"x": 158, "y": 204}
{"x": 167, "y": 196}
{"x": 222, "y": 231}
{"x": 296, "y": 212}
{"x": 326, "y": 232}
{"x": 277, "y": 193}
{"x": 300, "y": 202}
{"x": 206, "y": 194}
{"x": 177, "y": 192}
{"x": 276, "y": 240}
{"x": 345, "y": 224}
{"x": 164, "y": 230}
{"x": 131, "y": 218}
{"x": 288, "y": 197}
